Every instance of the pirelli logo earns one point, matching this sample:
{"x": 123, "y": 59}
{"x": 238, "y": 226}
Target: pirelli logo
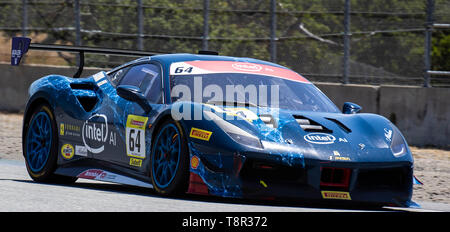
{"x": 200, "y": 134}
{"x": 336, "y": 195}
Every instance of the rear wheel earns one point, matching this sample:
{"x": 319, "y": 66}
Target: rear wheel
{"x": 41, "y": 146}
{"x": 169, "y": 160}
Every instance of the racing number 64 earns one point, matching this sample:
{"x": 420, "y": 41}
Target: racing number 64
{"x": 134, "y": 140}
{"x": 135, "y": 135}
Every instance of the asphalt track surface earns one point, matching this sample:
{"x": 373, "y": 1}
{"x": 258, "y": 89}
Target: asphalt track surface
{"x": 18, "y": 193}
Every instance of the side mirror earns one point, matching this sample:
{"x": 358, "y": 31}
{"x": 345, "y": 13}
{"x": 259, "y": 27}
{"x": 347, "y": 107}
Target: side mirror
{"x": 351, "y": 108}
{"x": 133, "y": 93}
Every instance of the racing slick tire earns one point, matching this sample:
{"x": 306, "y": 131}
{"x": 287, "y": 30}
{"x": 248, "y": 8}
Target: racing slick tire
{"x": 40, "y": 146}
{"x": 169, "y": 161}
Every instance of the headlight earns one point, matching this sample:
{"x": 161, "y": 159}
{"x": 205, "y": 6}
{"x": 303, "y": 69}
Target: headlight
{"x": 398, "y": 144}
{"x": 236, "y": 133}
{"x": 245, "y": 139}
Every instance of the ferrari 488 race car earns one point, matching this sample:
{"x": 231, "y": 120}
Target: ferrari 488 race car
{"x": 213, "y": 125}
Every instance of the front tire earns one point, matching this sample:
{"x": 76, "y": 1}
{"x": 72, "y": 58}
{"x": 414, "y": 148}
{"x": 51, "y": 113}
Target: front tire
{"x": 41, "y": 146}
{"x": 169, "y": 160}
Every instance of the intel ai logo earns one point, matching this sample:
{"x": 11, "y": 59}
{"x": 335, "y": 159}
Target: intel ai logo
{"x": 95, "y": 130}
{"x": 319, "y": 138}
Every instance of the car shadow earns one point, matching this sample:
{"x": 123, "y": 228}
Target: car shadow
{"x": 141, "y": 191}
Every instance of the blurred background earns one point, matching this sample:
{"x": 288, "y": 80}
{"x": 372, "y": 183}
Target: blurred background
{"x": 345, "y": 41}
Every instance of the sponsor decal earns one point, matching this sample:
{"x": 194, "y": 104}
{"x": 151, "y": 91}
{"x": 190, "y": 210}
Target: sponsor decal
{"x": 61, "y": 129}
{"x": 98, "y": 76}
{"x": 135, "y": 162}
{"x": 195, "y": 161}
{"x": 336, "y": 195}
{"x": 96, "y": 174}
{"x": 80, "y": 150}
{"x": 200, "y": 134}
{"x": 67, "y": 151}
{"x": 246, "y": 67}
{"x": 337, "y": 156}
{"x": 66, "y": 129}
{"x": 139, "y": 124}
{"x": 135, "y": 136}
{"x": 95, "y": 131}
{"x": 319, "y": 138}
{"x": 342, "y": 158}
{"x": 102, "y": 82}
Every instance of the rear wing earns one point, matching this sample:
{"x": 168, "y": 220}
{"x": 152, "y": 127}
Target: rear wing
{"x": 21, "y": 45}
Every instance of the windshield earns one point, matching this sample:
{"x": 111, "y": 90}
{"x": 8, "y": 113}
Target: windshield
{"x": 246, "y": 88}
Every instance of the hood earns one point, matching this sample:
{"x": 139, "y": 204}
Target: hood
{"x": 318, "y": 135}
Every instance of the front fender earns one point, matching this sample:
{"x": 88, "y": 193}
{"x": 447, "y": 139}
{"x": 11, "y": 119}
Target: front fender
{"x": 199, "y": 128}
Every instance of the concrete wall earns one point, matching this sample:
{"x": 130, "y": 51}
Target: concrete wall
{"x": 15, "y": 81}
{"x": 364, "y": 95}
{"x": 422, "y": 114}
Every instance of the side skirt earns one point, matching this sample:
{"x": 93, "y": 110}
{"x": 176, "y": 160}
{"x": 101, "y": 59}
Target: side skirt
{"x": 101, "y": 171}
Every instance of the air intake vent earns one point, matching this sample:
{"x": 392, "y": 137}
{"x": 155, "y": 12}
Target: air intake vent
{"x": 268, "y": 120}
{"x": 309, "y": 125}
{"x": 340, "y": 124}
{"x": 334, "y": 177}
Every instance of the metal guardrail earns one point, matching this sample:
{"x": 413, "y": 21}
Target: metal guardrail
{"x": 275, "y": 40}
{"x": 429, "y": 26}
{"x": 439, "y": 73}
{"x": 441, "y": 25}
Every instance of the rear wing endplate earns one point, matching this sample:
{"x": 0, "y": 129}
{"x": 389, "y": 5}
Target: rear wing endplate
{"x": 21, "y": 45}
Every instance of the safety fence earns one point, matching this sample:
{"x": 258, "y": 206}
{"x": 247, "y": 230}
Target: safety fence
{"x": 366, "y": 42}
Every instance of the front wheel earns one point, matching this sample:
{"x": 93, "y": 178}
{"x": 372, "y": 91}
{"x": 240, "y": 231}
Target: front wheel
{"x": 169, "y": 160}
{"x": 41, "y": 146}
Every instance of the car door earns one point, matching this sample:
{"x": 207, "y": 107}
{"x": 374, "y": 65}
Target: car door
{"x": 118, "y": 134}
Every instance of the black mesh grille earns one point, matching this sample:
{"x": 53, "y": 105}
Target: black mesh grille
{"x": 255, "y": 170}
{"x": 384, "y": 178}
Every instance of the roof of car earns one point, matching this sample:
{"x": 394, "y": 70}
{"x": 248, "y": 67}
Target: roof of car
{"x": 182, "y": 57}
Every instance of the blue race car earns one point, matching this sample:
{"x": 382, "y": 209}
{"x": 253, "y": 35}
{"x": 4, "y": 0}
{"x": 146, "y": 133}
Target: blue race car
{"x": 213, "y": 125}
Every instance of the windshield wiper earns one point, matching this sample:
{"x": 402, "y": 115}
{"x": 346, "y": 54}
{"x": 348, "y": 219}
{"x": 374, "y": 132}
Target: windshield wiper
{"x": 231, "y": 103}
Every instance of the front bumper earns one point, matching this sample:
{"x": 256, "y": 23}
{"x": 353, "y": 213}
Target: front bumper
{"x": 381, "y": 183}
{"x": 257, "y": 176}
